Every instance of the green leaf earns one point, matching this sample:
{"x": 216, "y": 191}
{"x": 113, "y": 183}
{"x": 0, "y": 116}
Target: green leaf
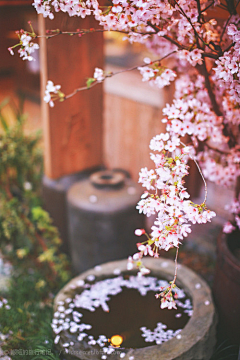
{"x": 90, "y": 81}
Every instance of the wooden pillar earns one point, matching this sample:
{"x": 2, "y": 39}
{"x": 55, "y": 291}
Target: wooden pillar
{"x": 72, "y": 129}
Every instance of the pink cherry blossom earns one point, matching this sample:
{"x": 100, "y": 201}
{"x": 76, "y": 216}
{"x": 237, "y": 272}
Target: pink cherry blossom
{"x": 139, "y": 232}
{"x": 204, "y": 112}
{"x": 98, "y": 74}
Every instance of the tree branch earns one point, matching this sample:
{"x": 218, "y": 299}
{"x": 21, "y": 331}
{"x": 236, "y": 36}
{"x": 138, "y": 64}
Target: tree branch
{"x": 174, "y": 42}
{"x": 202, "y": 69}
{"x": 198, "y": 37}
{"x": 199, "y": 10}
{"x": 113, "y": 74}
{"x": 207, "y": 7}
{"x": 226, "y": 131}
{"x": 231, "y": 7}
{"x": 224, "y": 29}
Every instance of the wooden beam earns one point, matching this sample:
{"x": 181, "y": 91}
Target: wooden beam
{"x": 72, "y": 129}
{"x": 15, "y": 2}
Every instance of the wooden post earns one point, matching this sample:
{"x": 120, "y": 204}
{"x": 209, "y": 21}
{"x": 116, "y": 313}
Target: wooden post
{"x": 73, "y": 128}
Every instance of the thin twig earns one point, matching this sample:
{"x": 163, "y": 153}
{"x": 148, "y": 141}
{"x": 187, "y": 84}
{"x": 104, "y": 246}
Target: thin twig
{"x": 202, "y": 69}
{"x": 57, "y": 32}
{"x": 81, "y": 89}
{"x": 174, "y": 42}
{"x": 224, "y": 29}
{"x": 223, "y": 6}
{"x": 176, "y": 267}
{"x": 113, "y": 74}
{"x": 154, "y": 27}
{"x": 207, "y": 7}
{"x": 199, "y": 10}
{"x": 200, "y": 172}
{"x": 209, "y": 55}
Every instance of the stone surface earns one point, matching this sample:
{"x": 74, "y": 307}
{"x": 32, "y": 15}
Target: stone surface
{"x": 102, "y": 222}
{"x": 54, "y": 194}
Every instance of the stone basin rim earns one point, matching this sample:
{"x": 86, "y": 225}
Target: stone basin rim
{"x": 200, "y": 324}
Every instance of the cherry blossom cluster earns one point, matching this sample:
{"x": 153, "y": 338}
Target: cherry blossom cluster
{"x": 52, "y": 93}
{"x": 233, "y": 208}
{"x": 27, "y": 47}
{"x": 98, "y": 74}
{"x": 194, "y": 57}
{"x": 204, "y": 61}
{"x": 160, "y": 334}
{"x": 191, "y": 114}
{"x": 192, "y": 117}
{"x": 72, "y": 7}
{"x": 138, "y": 18}
{"x": 227, "y": 70}
{"x": 222, "y": 170}
{"x": 167, "y": 198}
{"x": 157, "y": 75}
{"x": 168, "y": 296}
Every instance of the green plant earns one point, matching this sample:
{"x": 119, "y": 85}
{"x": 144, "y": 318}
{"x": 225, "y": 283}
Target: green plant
{"x": 30, "y": 242}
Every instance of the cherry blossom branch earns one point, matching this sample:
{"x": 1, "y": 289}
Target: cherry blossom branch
{"x": 92, "y": 30}
{"x": 198, "y": 37}
{"x": 226, "y": 131}
{"x": 231, "y": 7}
{"x": 202, "y": 69}
{"x": 200, "y": 172}
{"x": 174, "y": 42}
{"x": 167, "y": 295}
{"x": 222, "y": 6}
{"x": 176, "y": 267}
{"x": 210, "y": 56}
{"x": 82, "y": 89}
{"x": 53, "y": 33}
{"x": 199, "y": 10}
{"x": 180, "y": 46}
{"x": 63, "y": 97}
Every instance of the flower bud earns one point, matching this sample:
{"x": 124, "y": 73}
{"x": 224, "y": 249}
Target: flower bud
{"x": 139, "y": 232}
